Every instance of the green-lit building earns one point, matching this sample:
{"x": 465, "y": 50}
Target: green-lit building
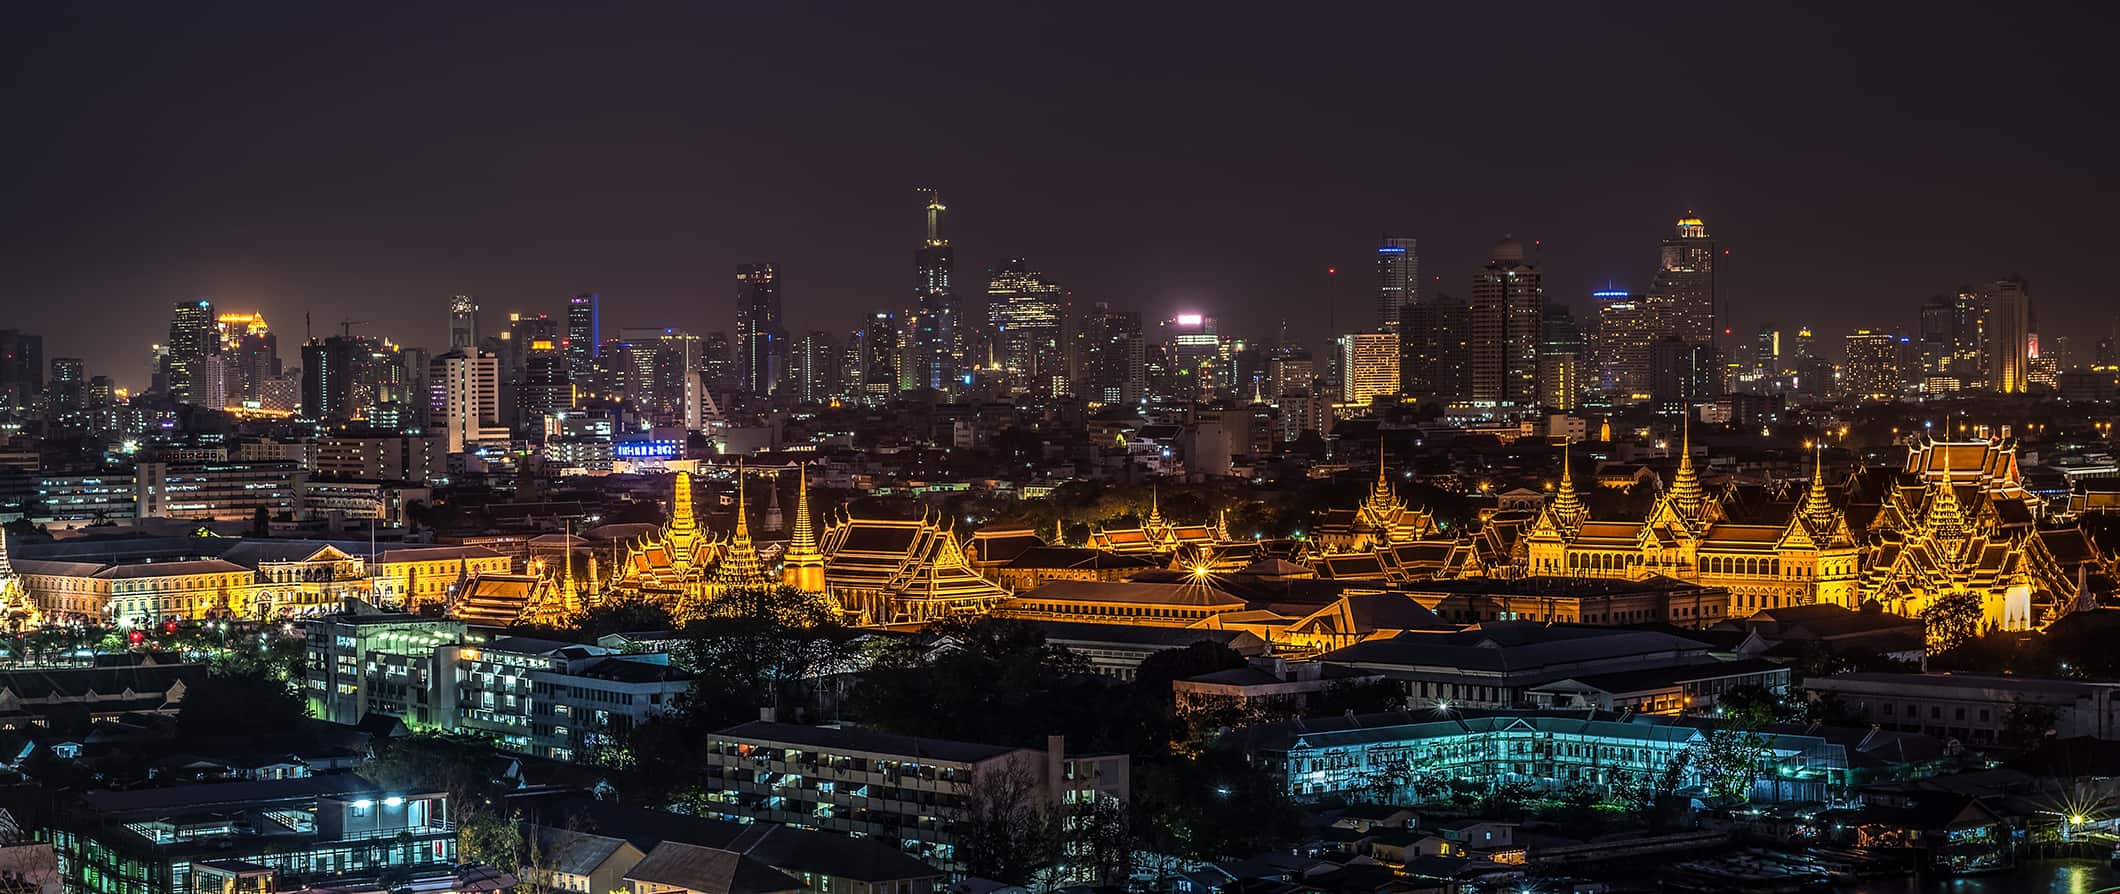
{"x": 387, "y": 663}
{"x": 1398, "y": 754}
{"x": 190, "y": 839}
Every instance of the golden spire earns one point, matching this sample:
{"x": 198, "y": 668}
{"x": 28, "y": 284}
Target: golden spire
{"x": 1155, "y": 509}
{"x": 681, "y": 520}
{"x": 1059, "y": 534}
{"x": 1382, "y": 498}
{"x": 803, "y": 541}
{"x": 1567, "y": 505}
{"x": 1686, "y": 492}
{"x": 743, "y": 525}
{"x": 1816, "y": 507}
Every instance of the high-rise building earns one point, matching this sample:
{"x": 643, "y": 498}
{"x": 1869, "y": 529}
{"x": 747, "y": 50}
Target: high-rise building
{"x": 1192, "y": 351}
{"x": 465, "y": 404}
{"x": 1872, "y": 367}
{"x": 1028, "y": 314}
{"x": 329, "y": 369}
{"x": 1683, "y": 297}
{"x": 544, "y": 390}
{"x": 1398, "y": 279}
{"x": 1436, "y": 350}
{"x": 716, "y": 363}
{"x": 1369, "y": 366}
{"x": 193, "y": 337}
{"x": 813, "y": 368}
{"x": 882, "y": 360}
{"x": 761, "y": 341}
{"x": 1682, "y": 373}
{"x": 523, "y": 333}
{"x": 585, "y": 334}
{"x": 463, "y": 323}
{"x": 1113, "y": 356}
{"x": 2008, "y": 329}
{"x": 1620, "y": 351}
{"x": 21, "y": 369}
{"x": 937, "y": 320}
{"x": 1560, "y": 357}
{"x": 1507, "y": 314}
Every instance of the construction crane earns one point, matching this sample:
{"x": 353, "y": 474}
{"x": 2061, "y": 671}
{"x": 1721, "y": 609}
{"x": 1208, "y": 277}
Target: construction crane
{"x": 346, "y": 327}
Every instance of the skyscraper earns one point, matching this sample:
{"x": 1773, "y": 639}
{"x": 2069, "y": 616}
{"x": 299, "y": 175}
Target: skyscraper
{"x": 1560, "y": 356}
{"x": 813, "y": 368}
{"x": 1369, "y": 366}
{"x": 1398, "y": 279}
{"x": 1436, "y": 350}
{"x": 761, "y": 342}
{"x": 194, "y": 336}
{"x": 1028, "y": 315}
{"x": 21, "y": 368}
{"x": 881, "y": 358}
{"x": 1683, "y": 296}
{"x": 1113, "y": 360}
{"x": 2008, "y": 332}
{"x": 1508, "y": 304}
{"x": 464, "y": 407}
{"x": 544, "y": 390}
{"x": 1872, "y": 368}
{"x": 938, "y": 319}
{"x": 1620, "y": 350}
{"x": 585, "y": 334}
{"x": 463, "y": 323}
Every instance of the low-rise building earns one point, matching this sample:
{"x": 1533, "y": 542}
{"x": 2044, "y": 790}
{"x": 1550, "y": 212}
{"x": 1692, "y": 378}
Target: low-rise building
{"x": 215, "y": 490}
{"x": 1498, "y": 664}
{"x": 1386, "y": 756}
{"x": 61, "y": 696}
{"x": 910, "y": 790}
{"x": 294, "y": 831}
{"x": 1974, "y": 708}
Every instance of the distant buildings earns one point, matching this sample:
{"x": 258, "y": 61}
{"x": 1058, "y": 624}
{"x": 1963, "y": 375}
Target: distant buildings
{"x": 1398, "y": 280}
{"x": 892, "y": 788}
{"x": 936, "y": 320}
{"x": 1028, "y": 316}
{"x": 761, "y": 338}
{"x": 584, "y": 335}
{"x": 1369, "y": 366}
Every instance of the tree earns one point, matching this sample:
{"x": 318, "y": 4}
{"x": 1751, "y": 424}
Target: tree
{"x": 759, "y": 647}
{"x": 1727, "y": 761}
{"x": 241, "y": 702}
{"x": 1952, "y": 620}
{"x": 2024, "y": 725}
{"x": 1753, "y": 706}
{"x": 1006, "y": 832}
{"x": 988, "y": 679}
{"x": 1213, "y": 805}
{"x": 623, "y": 614}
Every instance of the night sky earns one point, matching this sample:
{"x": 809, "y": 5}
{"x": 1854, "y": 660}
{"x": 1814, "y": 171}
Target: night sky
{"x": 357, "y": 162}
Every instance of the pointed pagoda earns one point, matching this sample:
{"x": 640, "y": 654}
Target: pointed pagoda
{"x": 17, "y": 610}
{"x": 1380, "y": 522}
{"x": 803, "y": 565}
{"x": 1567, "y": 510}
{"x": 740, "y": 565}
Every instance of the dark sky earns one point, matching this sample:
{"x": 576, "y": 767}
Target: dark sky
{"x": 354, "y": 161}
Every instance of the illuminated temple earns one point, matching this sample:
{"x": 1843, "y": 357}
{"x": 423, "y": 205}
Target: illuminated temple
{"x": 1956, "y": 519}
{"x": 682, "y": 566}
{"x": 900, "y": 571}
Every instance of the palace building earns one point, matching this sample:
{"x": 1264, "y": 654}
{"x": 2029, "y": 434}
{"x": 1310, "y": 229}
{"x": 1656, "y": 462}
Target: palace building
{"x": 900, "y": 571}
{"x": 1156, "y": 536}
{"x": 1380, "y": 523}
{"x": 1809, "y": 557}
{"x": 1959, "y": 521}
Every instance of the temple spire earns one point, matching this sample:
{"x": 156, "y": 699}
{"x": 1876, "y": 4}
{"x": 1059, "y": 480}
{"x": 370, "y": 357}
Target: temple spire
{"x": 743, "y": 524}
{"x": 1686, "y": 492}
{"x": 803, "y": 566}
{"x": 1816, "y": 507}
{"x": 681, "y": 519}
{"x": 1567, "y": 504}
{"x": 740, "y": 565}
{"x": 1155, "y": 508}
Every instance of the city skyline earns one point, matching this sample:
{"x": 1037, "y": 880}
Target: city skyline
{"x": 1788, "y": 173}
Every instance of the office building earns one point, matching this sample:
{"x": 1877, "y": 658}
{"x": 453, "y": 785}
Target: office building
{"x": 1872, "y": 369}
{"x": 1682, "y": 299}
{"x": 1398, "y": 280}
{"x": 937, "y": 320}
{"x": 879, "y": 363}
{"x": 584, "y": 335}
{"x": 215, "y": 490}
{"x": 1369, "y": 366}
{"x": 1192, "y": 359}
{"x": 1620, "y": 351}
{"x": 544, "y": 388}
{"x": 193, "y": 337}
{"x": 1682, "y": 373}
{"x": 399, "y": 459}
{"x": 894, "y": 788}
{"x": 1113, "y": 361}
{"x": 1506, "y": 315}
{"x": 21, "y": 369}
{"x": 1436, "y": 350}
{"x": 1560, "y": 355}
{"x": 465, "y": 400}
{"x": 2007, "y": 335}
{"x": 1028, "y": 315}
{"x": 761, "y": 341}
{"x": 813, "y": 369}
{"x": 463, "y": 323}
